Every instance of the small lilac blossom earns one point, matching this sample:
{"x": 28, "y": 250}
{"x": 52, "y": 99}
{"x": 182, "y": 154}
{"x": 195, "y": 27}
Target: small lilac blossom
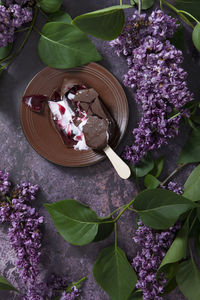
{"x": 174, "y": 187}
{"x": 4, "y": 185}
{"x": 154, "y": 246}
{"x": 70, "y": 296}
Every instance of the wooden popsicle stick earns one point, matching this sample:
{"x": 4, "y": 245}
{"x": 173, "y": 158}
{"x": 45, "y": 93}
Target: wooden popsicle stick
{"x": 120, "y": 166}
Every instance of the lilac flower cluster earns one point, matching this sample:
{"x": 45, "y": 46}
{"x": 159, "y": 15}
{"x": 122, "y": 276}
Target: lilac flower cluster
{"x": 155, "y": 73}
{"x": 12, "y": 16}
{"x": 24, "y": 233}
{"x": 154, "y": 247}
{"x": 25, "y": 237}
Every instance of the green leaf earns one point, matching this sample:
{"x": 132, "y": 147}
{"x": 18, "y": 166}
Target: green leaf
{"x": 197, "y": 244}
{"x": 76, "y": 223}
{"x": 196, "y": 36}
{"x": 1, "y": 69}
{"x": 196, "y": 119}
{"x": 6, "y": 285}
{"x": 191, "y": 150}
{"x": 151, "y": 182}
{"x": 191, "y": 6}
{"x": 158, "y": 167}
{"x": 104, "y": 230}
{"x": 144, "y": 167}
{"x": 170, "y": 275}
{"x": 146, "y": 4}
{"x": 194, "y": 224}
{"x": 60, "y": 17}
{"x": 114, "y": 274}
{"x": 106, "y": 24}
{"x": 178, "y": 38}
{"x": 137, "y": 295}
{"x": 65, "y": 46}
{"x": 177, "y": 250}
{"x": 188, "y": 279}
{"x": 160, "y": 209}
{"x": 50, "y": 6}
{"x": 191, "y": 187}
{"x": 5, "y": 51}
{"x": 198, "y": 213}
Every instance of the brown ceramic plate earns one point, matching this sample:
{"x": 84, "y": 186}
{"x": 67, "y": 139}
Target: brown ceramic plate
{"x": 38, "y": 127}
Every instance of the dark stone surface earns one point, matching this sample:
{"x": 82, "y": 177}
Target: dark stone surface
{"x": 98, "y": 186}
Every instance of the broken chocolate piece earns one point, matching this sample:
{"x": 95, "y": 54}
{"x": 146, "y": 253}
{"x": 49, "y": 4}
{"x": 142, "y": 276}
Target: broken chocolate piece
{"x": 86, "y": 95}
{"x": 95, "y": 132}
{"x": 96, "y": 108}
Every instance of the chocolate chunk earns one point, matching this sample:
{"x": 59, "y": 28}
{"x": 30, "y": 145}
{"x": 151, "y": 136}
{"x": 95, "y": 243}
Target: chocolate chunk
{"x": 89, "y": 112}
{"x": 95, "y": 132}
{"x": 87, "y": 95}
{"x": 97, "y": 109}
{"x": 85, "y": 106}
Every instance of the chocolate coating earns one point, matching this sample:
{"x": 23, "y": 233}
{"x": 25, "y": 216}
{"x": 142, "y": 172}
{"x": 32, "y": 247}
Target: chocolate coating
{"x": 90, "y": 102}
{"x": 87, "y": 95}
{"x": 95, "y": 132}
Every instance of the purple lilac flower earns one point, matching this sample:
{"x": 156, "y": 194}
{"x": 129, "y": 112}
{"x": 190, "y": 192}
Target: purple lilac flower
{"x": 155, "y": 73}
{"x": 4, "y": 185}
{"x": 24, "y": 230}
{"x": 24, "y": 233}
{"x": 51, "y": 289}
{"x": 174, "y": 187}
{"x": 154, "y": 246}
{"x": 5, "y": 211}
{"x": 12, "y": 16}
{"x": 70, "y": 296}
{"x": 25, "y": 237}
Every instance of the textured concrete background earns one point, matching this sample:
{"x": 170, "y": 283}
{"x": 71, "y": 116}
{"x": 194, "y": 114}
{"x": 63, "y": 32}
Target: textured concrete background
{"x": 97, "y": 186}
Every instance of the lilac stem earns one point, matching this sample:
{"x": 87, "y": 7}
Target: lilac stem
{"x": 172, "y": 174}
{"x": 139, "y": 6}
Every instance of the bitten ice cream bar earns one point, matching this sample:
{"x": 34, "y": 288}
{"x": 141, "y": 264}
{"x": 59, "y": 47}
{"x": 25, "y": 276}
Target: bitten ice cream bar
{"x": 78, "y": 114}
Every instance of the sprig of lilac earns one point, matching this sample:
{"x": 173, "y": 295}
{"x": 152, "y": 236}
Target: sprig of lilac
{"x": 26, "y": 239}
{"x": 155, "y": 73}
{"x": 154, "y": 246}
{"x": 70, "y": 296}
{"x": 24, "y": 232}
{"x": 24, "y": 227}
